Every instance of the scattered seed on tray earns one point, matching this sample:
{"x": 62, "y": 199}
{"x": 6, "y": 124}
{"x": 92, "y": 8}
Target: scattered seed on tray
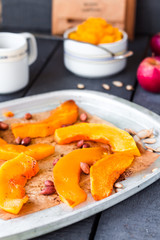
{"x": 3, "y": 126}
{"x": 118, "y": 185}
{"x": 80, "y": 143}
{"x": 80, "y": 86}
{"x": 48, "y": 183}
{"x": 130, "y": 131}
{"x": 26, "y": 141}
{"x": 129, "y": 88}
{"x": 118, "y": 190}
{"x": 117, "y": 83}
{"x": 18, "y": 140}
{"x": 145, "y": 133}
{"x": 150, "y": 148}
{"x": 154, "y": 169}
{"x": 136, "y": 138}
{"x": 85, "y": 167}
{"x": 157, "y": 149}
{"x": 48, "y": 190}
{"x": 152, "y": 136}
{"x": 28, "y": 116}
{"x": 86, "y": 145}
{"x": 149, "y": 140}
{"x": 83, "y": 117}
{"x": 105, "y": 86}
{"x": 55, "y": 161}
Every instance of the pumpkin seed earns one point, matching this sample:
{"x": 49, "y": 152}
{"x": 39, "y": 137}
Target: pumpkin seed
{"x": 105, "y": 86}
{"x": 129, "y": 88}
{"x": 154, "y": 169}
{"x": 157, "y": 149}
{"x": 118, "y": 185}
{"x": 149, "y": 140}
{"x": 80, "y": 86}
{"x": 136, "y": 138}
{"x": 145, "y": 133}
{"x": 117, "y": 83}
{"x": 118, "y": 190}
{"x": 138, "y": 142}
{"x": 150, "y": 148}
{"x": 130, "y": 131}
{"x": 152, "y": 136}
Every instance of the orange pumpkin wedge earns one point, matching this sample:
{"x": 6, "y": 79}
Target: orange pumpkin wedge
{"x": 40, "y": 150}
{"x": 2, "y": 142}
{"x": 119, "y": 140}
{"x": 106, "y": 171}
{"x": 66, "y": 113}
{"x": 66, "y": 174}
{"x": 13, "y": 177}
{"x": 37, "y": 151}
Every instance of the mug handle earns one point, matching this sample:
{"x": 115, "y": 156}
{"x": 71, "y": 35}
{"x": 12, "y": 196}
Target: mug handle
{"x": 32, "y": 55}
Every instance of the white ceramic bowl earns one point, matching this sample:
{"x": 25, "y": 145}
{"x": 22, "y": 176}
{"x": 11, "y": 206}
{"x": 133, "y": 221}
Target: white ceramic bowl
{"x": 88, "y": 61}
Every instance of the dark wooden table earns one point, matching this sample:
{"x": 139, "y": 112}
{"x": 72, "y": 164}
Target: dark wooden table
{"x": 137, "y": 217}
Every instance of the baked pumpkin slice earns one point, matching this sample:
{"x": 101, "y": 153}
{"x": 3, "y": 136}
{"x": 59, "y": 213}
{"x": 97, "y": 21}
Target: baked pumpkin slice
{"x": 2, "y": 142}
{"x": 66, "y": 174}
{"x": 66, "y": 113}
{"x": 106, "y": 171}
{"x": 37, "y": 151}
{"x": 118, "y": 139}
{"x": 13, "y": 177}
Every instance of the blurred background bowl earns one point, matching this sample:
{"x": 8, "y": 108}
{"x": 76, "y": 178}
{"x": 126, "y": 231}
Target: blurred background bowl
{"x": 88, "y": 61}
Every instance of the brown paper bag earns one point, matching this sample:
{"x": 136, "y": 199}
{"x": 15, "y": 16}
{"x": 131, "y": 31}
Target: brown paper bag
{"x": 70, "y": 13}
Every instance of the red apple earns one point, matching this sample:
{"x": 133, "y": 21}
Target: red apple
{"x": 155, "y": 44}
{"x": 148, "y": 74}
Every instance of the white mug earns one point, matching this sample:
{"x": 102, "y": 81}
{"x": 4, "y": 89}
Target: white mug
{"x": 17, "y": 52}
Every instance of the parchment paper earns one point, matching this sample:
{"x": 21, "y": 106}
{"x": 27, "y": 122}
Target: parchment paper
{"x": 33, "y": 187}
